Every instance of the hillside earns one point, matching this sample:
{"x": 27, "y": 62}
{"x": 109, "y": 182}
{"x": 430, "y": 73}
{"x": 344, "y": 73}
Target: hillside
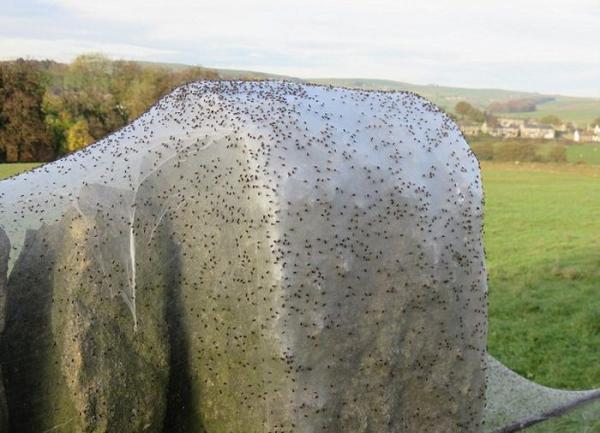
{"x": 444, "y": 96}
{"x": 568, "y": 108}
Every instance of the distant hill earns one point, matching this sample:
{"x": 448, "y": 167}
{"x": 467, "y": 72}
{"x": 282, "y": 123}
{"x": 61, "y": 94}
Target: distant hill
{"x": 239, "y": 74}
{"x": 444, "y": 96}
{"x": 568, "y": 108}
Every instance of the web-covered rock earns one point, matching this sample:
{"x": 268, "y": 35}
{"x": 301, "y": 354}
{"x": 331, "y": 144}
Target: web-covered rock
{"x": 251, "y": 257}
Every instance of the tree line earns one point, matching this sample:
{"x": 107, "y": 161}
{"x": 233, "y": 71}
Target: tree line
{"x": 467, "y": 112}
{"x": 463, "y": 111}
{"x": 48, "y": 109}
{"x": 521, "y": 105}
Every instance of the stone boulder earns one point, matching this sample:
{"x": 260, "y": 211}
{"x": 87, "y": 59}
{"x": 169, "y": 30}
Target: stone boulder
{"x": 73, "y": 356}
{"x": 252, "y": 257}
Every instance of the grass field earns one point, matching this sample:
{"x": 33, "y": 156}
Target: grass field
{"x": 589, "y": 153}
{"x": 542, "y": 238}
{"x": 569, "y": 109}
{"x": 7, "y": 170}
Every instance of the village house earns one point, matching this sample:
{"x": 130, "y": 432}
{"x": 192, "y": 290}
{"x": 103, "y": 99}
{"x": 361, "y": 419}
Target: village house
{"x": 507, "y": 130}
{"x": 514, "y": 128}
{"x": 591, "y": 134}
{"x": 587, "y": 136}
{"x": 596, "y": 136}
{"x": 507, "y": 122}
{"x": 506, "y": 127}
{"x": 535, "y": 130}
{"x": 470, "y": 128}
{"x": 561, "y": 129}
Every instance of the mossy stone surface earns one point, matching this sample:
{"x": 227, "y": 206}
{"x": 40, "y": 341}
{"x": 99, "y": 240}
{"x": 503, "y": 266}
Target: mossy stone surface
{"x": 87, "y": 368}
{"x": 302, "y": 311}
{"x": 252, "y": 257}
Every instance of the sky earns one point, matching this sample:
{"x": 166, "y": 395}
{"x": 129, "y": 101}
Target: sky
{"x": 547, "y": 46}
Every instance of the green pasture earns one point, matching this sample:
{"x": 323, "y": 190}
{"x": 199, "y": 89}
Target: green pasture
{"x": 589, "y": 153}
{"x": 586, "y": 153}
{"x": 542, "y": 239}
{"x": 7, "y": 170}
{"x": 580, "y": 111}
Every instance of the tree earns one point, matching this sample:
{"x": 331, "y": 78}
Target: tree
{"x": 558, "y": 153}
{"x": 483, "y": 151}
{"x": 58, "y": 121}
{"x": 24, "y": 136}
{"x": 491, "y": 120}
{"x": 87, "y": 94}
{"x": 48, "y": 109}
{"x": 78, "y": 136}
{"x": 145, "y": 90}
{"x": 516, "y": 151}
{"x": 521, "y": 105}
{"x": 551, "y": 119}
{"x": 91, "y": 72}
{"x": 467, "y": 112}
{"x": 463, "y": 108}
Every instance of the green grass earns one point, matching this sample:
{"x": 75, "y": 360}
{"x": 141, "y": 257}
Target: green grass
{"x": 542, "y": 238}
{"x": 576, "y": 153}
{"x": 7, "y": 170}
{"x": 589, "y": 153}
{"x": 569, "y": 109}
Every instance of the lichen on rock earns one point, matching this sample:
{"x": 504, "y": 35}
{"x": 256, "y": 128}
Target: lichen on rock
{"x": 86, "y": 366}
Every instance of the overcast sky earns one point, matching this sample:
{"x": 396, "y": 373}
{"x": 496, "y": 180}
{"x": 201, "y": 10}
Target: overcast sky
{"x": 548, "y": 46}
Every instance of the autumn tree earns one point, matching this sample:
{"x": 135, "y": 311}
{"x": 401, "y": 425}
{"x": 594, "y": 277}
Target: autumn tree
{"x": 521, "y": 105}
{"x": 463, "y": 108}
{"x": 87, "y": 94}
{"x": 558, "y": 153}
{"x": 24, "y": 135}
{"x": 551, "y": 119}
{"x": 468, "y": 112}
{"x": 139, "y": 87}
{"x": 48, "y": 109}
{"x": 78, "y": 136}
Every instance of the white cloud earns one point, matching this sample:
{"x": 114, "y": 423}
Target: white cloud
{"x": 398, "y": 39}
{"x": 491, "y": 30}
{"x": 66, "y": 49}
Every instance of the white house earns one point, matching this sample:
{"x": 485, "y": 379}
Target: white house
{"x": 534, "y": 130}
{"x": 596, "y": 136}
